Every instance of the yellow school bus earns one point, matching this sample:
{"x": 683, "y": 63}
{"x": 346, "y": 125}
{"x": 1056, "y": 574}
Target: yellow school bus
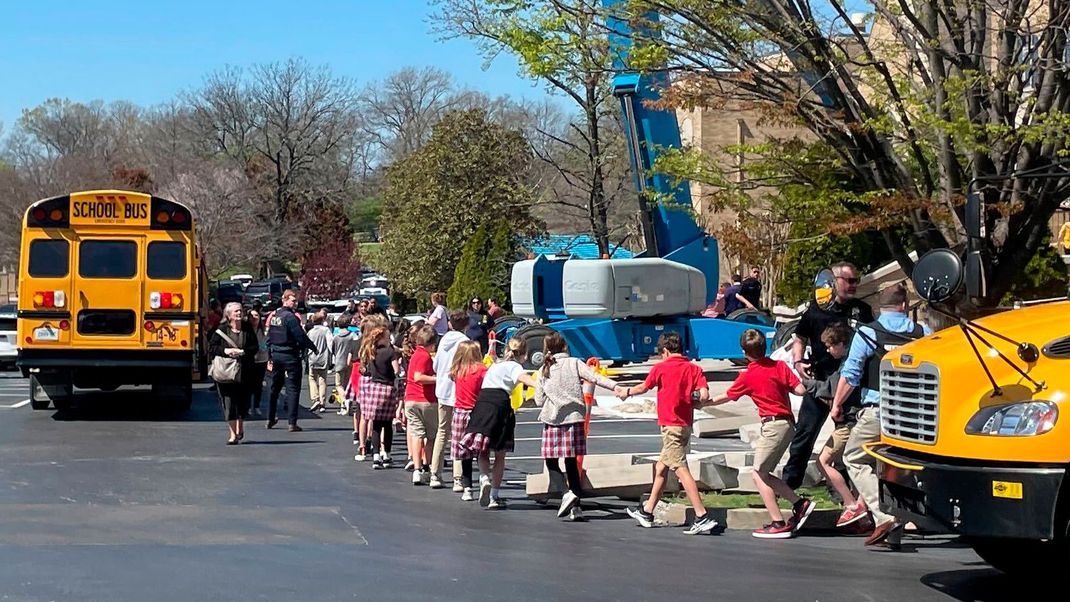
{"x": 111, "y": 289}
{"x": 972, "y": 441}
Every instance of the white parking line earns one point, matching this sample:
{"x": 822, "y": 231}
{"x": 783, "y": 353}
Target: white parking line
{"x": 658, "y": 435}
{"x": 595, "y": 420}
{"x": 24, "y": 402}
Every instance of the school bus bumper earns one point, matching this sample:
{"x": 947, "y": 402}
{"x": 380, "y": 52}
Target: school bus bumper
{"x": 103, "y": 358}
{"x": 1013, "y": 500}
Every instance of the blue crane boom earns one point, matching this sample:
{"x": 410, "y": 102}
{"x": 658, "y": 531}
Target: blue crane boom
{"x": 615, "y": 309}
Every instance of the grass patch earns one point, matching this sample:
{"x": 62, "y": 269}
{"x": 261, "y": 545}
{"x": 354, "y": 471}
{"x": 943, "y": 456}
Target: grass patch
{"x": 820, "y": 495}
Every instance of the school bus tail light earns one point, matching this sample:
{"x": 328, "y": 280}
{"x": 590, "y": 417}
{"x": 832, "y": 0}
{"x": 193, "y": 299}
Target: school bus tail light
{"x": 161, "y": 300}
{"x": 150, "y": 326}
{"x": 50, "y": 299}
{"x": 50, "y": 213}
{"x": 169, "y": 216}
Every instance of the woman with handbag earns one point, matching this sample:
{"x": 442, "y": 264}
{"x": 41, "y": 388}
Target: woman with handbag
{"x": 233, "y": 348}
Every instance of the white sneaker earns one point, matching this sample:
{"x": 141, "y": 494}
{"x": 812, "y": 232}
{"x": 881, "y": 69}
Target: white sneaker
{"x": 467, "y": 496}
{"x": 484, "y": 491}
{"x": 409, "y": 466}
{"x": 496, "y": 504}
{"x": 575, "y": 514}
{"x": 568, "y": 502}
{"x": 417, "y": 477}
{"x": 457, "y": 487}
{"x": 360, "y": 457}
{"x": 436, "y": 482}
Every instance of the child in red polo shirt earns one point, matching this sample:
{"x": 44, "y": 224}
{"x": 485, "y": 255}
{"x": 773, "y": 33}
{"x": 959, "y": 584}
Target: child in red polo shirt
{"x": 767, "y": 382}
{"x": 676, "y": 379}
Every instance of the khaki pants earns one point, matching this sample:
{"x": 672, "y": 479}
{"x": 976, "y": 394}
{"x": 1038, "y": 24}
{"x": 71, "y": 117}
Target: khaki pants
{"x": 862, "y": 466}
{"x": 317, "y": 385}
{"x": 776, "y": 436}
{"x": 675, "y": 443}
{"x": 442, "y": 443}
{"x": 341, "y": 381}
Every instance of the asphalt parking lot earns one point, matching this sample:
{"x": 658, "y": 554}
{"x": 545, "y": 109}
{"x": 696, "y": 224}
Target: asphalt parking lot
{"x": 114, "y": 500}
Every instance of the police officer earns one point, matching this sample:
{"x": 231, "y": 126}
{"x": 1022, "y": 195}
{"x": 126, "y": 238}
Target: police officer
{"x": 287, "y": 342}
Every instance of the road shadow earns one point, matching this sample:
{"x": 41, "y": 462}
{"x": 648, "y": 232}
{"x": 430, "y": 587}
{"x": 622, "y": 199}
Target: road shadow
{"x": 984, "y": 584}
{"x": 137, "y": 406}
{"x": 287, "y": 442}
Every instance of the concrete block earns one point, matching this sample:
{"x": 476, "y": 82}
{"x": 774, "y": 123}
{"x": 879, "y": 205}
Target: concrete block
{"x": 612, "y": 475}
{"x": 721, "y": 427}
{"x": 711, "y": 475}
{"x": 749, "y": 433}
{"x": 813, "y": 477}
{"x": 744, "y": 482}
{"x": 737, "y": 460}
{"x": 673, "y": 515}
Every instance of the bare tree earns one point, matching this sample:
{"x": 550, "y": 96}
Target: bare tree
{"x": 291, "y": 127}
{"x": 400, "y": 111}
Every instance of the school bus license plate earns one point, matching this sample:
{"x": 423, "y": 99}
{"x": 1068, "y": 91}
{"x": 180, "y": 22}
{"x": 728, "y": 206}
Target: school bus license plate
{"x": 45, "y": 333}
{"x": 1007, "y": 489}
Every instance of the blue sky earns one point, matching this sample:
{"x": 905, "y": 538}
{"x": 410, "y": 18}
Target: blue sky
{"x": 146, "y": 52}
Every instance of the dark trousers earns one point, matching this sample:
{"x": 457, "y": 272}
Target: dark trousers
{"x": 285, "y": 378}
{"x": 255, "y": 383}
{"x": 812, "y": 415}
{"x": 572, "y": 471}
{"x": 382, "y": 435}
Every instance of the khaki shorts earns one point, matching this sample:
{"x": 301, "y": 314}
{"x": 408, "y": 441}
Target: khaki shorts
{"x": 675, "y": 443}
{"x": 838, "y": 441}
{"x": 774, "y": 441}
{"x": 422, "y": 418}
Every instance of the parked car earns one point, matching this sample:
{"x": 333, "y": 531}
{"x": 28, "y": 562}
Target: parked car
{"x": 9, "y": 336}
{"x": 269, "y": 293}
{"x": 228, "y": 291}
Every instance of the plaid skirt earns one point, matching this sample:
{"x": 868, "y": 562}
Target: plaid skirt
{"x": 378, "y": 401}
{"x": 564, "y": 441}
{"x": 458, "y": 427}
{"x": 492, "y": 424}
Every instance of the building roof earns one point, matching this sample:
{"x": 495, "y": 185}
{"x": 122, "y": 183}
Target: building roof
{"x": 580, "y": 246}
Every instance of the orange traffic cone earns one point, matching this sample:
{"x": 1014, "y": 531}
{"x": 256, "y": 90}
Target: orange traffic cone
{"x": 588, "y": 400}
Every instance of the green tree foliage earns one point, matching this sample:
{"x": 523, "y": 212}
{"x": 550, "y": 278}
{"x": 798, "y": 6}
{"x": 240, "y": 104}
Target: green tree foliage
{"x": 470, "y": 173}
{"x": 914, "y": 107}
{"x": 562, "y": 43}
{"x": 470, "y": 273}
{"x": 1044, "y": 277}
{"x": 484, "y": 268}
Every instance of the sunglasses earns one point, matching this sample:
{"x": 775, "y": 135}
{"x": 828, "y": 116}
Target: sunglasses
{"x": 850, "y": 280}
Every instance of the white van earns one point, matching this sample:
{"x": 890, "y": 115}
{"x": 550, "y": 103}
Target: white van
{"x": 9, "y": 336}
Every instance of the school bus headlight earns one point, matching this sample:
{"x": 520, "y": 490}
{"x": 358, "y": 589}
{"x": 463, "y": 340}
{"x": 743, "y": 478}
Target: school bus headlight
{"x": 1023, "y": 419}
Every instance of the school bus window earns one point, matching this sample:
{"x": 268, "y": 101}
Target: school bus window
{"x": 167, "y": 260}
{"x": 49, "y": 259}
{"x": 107, "y": 259}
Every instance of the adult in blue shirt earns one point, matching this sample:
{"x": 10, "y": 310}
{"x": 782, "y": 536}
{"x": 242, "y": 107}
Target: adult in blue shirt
{"x": 861, "y": 368}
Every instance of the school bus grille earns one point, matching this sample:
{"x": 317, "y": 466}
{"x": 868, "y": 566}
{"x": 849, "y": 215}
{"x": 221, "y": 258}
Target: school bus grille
{"x": 910, "y": 402}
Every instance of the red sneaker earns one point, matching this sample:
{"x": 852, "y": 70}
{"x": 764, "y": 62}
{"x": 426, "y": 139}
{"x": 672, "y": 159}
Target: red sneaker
{"x": 775, "y": 531}
{"x": 800, "y": 512}
{"x": 851, "y": 516}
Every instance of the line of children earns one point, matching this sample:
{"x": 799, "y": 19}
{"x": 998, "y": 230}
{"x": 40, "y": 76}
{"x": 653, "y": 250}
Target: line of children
{"x": 483, "y": 420}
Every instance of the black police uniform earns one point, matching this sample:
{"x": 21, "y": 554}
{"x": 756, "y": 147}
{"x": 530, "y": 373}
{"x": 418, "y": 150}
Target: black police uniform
{"x": 813, "y": 412}
{"x": 287, "y": 342}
